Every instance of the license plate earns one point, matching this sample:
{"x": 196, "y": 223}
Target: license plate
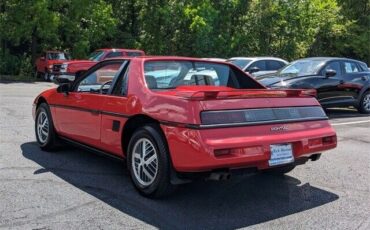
{"x": 281, "y": 154}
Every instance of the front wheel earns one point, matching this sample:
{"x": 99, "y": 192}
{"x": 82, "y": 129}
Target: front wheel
{"x": 149, "y": 163}
{"x": 44, "y": 128}
{"x": 365, "y": 103}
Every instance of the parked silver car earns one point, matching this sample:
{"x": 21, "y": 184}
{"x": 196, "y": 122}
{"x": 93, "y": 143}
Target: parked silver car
{"x": 258, "y": 65}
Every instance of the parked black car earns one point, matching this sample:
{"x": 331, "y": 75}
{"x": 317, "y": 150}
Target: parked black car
{"x": 338, "y": 81}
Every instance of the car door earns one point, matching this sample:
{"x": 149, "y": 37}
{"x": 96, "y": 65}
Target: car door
{"x": 41, "y": 65}
{"x": 115, "y": 113}
{"x": 354, "y": 79}
{"x": 329, "y": 88}
{"x": 78, "y": 114}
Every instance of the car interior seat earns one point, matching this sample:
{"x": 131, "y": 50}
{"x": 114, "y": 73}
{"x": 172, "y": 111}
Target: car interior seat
{"x": 151, "y": 82}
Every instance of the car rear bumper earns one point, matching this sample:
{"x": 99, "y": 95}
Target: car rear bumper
{"x": 194, "y": 150}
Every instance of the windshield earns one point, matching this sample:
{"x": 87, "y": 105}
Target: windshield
{"x": 241, "y": 63}
{"x": 171, "y": 74}
{"x": 58, "y": 56}
{"x": 95, "y": 56}
{"x": 303, "y": 67}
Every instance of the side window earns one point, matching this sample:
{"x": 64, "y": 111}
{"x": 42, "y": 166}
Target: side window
{"x": 134, "y": 54}
{"x": 121, "y": 86}
{"x": 334, "y": 66}
{"x": 259, "y": 64}
{"x": 93, "y": 82}
{"x": 274, "y": 65}
{"x": 114, "y": 54}
{"x": 363, "y": 66}
{"x": 350, "y": 67}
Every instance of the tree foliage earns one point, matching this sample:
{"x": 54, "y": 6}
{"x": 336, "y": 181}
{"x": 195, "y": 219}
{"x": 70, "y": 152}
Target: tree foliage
{"x": 289, "y": 29}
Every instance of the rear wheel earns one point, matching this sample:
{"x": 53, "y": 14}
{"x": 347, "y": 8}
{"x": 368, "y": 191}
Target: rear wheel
{"x": 280, "y": 170}
{"x": 364, "y": 106}
{"x": 44, "y": 128}
{"x": 148, "y": 162}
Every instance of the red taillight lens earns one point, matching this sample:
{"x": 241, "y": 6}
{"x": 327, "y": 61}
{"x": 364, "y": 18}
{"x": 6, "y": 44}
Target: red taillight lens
{"x": 251, "y": 151}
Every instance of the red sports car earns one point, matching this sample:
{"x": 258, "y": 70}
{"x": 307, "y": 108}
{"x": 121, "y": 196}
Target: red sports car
{"x": 172, "y": 118}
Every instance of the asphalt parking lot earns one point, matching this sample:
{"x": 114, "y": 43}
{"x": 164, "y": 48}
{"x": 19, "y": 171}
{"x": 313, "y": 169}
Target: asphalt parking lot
{"x": 74, "y": 189}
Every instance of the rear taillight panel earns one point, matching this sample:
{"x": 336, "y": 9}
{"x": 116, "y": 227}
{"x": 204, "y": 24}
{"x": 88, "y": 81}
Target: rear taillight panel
{"x": 262, "y": 115}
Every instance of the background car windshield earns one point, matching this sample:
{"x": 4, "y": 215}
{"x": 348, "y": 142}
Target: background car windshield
{"x": 303, "y": 67}
{"x": 96, "y": 79}
{"x": 57, "y": 56}
{"x": 241, "y": 63}
{"x": 171, "y": 74}
{"x": 95, "y": 56}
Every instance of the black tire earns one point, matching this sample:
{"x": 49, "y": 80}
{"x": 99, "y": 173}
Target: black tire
{"x": 50, "y": 142}
{"x": 278, "y": 171}
{"x": 364, "y": 103}
{"x": 46, "y": 76}
{"x": 161, "y": 185}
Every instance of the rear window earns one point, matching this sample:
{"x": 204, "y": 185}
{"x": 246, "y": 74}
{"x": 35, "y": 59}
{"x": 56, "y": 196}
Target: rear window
{"x": 171, "y": 74}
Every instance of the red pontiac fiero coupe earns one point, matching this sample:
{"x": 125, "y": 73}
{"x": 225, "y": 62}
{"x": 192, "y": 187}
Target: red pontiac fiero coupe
{"x": 172, "y": 118}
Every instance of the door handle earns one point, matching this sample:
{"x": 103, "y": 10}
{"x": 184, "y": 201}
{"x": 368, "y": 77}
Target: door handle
{"x": 364, "y": 78}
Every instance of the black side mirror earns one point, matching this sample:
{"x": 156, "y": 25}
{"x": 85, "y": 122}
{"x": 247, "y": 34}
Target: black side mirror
{"x": 62, "y": 80}
{"x": 64, "y": 88}
{"x": 330, "y": 73}
{"x": 253, "y": 70}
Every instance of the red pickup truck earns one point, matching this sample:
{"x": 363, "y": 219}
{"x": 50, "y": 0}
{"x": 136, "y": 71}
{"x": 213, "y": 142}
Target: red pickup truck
{"x": 74, "y": 68}
{"x": 44, "y": 64}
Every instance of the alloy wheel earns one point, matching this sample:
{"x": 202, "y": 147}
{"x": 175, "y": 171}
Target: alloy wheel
{"x": 43, "y": 127}
{"x": 144, "y": 162}
{"x": 366, "y": 102}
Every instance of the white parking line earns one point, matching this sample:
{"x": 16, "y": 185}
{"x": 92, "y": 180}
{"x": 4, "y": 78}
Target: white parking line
{"x": 349, "y": 123}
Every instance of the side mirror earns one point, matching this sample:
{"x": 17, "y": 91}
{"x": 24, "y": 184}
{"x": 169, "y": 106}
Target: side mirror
{"x": 253, "y": 70}
{"x": 330, "y": 73}
{"x": 42, "y": 58}
{"x": 62, "y": 81}
{"x": 63, "y": 88}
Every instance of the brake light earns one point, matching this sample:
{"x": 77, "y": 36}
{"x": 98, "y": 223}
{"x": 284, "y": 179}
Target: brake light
{"x": 251, "y": 151}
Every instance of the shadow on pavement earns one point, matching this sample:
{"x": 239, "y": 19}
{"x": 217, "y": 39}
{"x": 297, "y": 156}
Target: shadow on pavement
{"x": 239, "y": 202}
{"x": 338, "y": 113}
